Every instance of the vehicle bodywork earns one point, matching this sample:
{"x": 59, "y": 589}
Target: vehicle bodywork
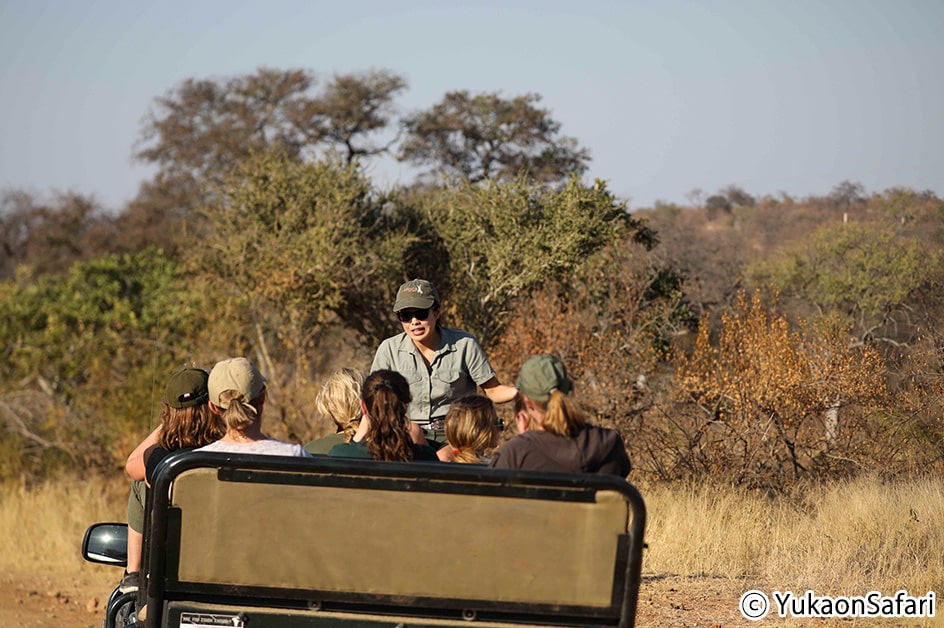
{"x": 258, "y": 541}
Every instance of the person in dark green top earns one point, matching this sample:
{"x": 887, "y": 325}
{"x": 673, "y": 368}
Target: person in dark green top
{"x": 384, "y": 432}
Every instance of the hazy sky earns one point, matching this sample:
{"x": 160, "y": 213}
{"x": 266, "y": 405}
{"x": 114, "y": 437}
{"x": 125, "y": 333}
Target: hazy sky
{"x": 787, "y": 95}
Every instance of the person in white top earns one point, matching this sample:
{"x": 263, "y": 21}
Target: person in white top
{"x": 238, "y": 393}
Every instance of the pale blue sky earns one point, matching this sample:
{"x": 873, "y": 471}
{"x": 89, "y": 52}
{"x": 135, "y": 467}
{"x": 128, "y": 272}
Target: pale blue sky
{"x": 786, "y": 95}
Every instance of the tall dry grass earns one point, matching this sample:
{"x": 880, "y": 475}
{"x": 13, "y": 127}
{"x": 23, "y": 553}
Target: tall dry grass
{"x": 846, "y": 538}
{"x": 41, "y": 527}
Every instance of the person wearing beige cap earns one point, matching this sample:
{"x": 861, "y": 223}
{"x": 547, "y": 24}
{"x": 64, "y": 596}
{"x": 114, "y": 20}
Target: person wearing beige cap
{"x": 238, "y": 392}
{"x": 558, "y": 436}
{"x": 440, "y": 364}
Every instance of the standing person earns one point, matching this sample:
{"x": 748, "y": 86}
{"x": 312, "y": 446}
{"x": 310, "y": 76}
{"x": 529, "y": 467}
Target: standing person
{"x": 384, "y": 432}
{"x": 237, "y": 393}
{"x": 472, "y": 429}
{"x": 440, "y": 364}
{"x": 340, "y": 400}
{"x": 186, "y": 423}
{"x": 558, "y": 437}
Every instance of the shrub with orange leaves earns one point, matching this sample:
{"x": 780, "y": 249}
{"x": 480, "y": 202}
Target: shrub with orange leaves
{"x": 767, "y": 404}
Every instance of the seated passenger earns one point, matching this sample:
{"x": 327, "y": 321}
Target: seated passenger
{"x": 238, "y": 393}
{"x": 558, "y": 437}
{"x": 384, "y": 433}
{"x": 472, "y": 429}
{"x": 339, "y": 400}
{"x": 186, "y": 422}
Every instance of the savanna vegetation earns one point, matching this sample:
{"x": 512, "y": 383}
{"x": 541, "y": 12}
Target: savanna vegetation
{"x": 760, "y": 341}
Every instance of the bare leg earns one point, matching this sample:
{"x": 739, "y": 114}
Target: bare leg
{"x": 135, "y": 549}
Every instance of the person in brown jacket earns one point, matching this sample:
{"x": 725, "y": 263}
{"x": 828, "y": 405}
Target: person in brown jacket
{"x": 558, "y": 436}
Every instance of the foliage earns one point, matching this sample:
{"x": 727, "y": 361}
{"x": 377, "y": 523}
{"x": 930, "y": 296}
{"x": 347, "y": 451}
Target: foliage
{"x": 864, "y": 272}
{"x": 299, "y": 246}
{"x": 608, "y": 321}
{"x": 49, "y": 236}
{"x": 508, "y": 237}
{"x": 352, "y": 111}
{"x": 768, "y": 404}
{"x": 485, "y": 136}
{"x": 85, "y": 355}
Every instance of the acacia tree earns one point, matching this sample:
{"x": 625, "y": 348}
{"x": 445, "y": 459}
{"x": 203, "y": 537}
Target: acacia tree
{"x": 353, "y": 113}
{"x": 300, "y": 246}
{"x": 483, "y": 136}
{"x": 508, "y": 237}
{"x": 48, "y": 237}
{"x": 867, "y": 273}
{"x": 202, "y": 129}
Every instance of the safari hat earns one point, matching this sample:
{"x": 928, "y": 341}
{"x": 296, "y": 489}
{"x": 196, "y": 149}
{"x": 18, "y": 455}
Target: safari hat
{"x": 186, "y": 388}
{"x": 416, "y": 293}
{"x": 237, "y": 374}
{"x": 541, "y": 375}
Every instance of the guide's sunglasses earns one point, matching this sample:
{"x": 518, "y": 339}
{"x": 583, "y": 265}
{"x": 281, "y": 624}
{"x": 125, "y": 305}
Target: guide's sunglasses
{"x": 500, "y": 424}
{"x": 406, "y": 316}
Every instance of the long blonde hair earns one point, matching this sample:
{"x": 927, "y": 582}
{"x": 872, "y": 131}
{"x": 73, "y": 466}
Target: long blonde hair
{"x": 470, "y": 426}
{"x": 562, "y": 415}
{"x": 340, "y": 400}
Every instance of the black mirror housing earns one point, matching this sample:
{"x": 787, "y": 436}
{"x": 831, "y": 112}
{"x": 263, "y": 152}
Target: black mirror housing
{"x": 106, "y": 543}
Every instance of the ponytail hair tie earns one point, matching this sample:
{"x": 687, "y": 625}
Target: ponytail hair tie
{"x": 382, "y": 384}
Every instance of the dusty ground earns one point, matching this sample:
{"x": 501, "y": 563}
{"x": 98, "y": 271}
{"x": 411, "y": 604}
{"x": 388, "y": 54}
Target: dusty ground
{"x": 31, "y": 601}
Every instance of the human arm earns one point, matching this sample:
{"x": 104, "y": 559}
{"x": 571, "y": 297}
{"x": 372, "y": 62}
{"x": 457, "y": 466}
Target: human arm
{"x": 498, "y": 392}
{"x": 134, "y": 466}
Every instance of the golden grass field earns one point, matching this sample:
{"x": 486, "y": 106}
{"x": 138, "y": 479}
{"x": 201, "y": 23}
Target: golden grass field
{"x": 706, "y": 546}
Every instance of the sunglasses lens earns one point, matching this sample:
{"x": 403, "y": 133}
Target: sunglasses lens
{"x": 407, "y": 315}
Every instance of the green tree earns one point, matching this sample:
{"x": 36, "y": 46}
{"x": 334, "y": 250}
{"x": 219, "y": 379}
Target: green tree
{"x": 299, "y": 247}
{"x": 865, "y": 272}
{"x": 508, "y": 237}
{"x": 483, "y": 136}
{"x": 85, "y": 355}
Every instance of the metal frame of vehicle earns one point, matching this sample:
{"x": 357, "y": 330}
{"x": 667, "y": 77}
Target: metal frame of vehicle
{"x": 194, "y": 579}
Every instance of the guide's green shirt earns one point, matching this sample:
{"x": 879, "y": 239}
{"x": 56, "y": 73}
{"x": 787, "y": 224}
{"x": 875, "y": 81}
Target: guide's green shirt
{"x": 458, "y": 368}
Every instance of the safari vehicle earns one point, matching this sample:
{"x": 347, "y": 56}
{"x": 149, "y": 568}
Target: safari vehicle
{"x": 262, "y": 541}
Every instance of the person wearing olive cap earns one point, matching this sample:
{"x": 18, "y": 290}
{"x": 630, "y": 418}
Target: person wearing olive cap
{"x": 185, "y": 423}
{"x": 237, "y": 393}
{"x": 440, "y": 364}
{"x": 558, "y": 437}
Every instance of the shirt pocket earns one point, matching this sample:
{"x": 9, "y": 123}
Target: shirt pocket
{"x": 449, "y": 383}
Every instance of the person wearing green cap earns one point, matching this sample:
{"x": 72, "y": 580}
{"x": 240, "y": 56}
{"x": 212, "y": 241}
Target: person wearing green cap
{"x": 185, "y": 423}
{"x": 440, "y": 364}
{"x": 558, "y": 436}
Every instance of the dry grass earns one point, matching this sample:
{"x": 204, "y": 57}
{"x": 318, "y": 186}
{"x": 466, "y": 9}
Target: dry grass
{"x": 704, "y": 542}
{"x": 847, "y": 538}
{"x": 41, "y": 527}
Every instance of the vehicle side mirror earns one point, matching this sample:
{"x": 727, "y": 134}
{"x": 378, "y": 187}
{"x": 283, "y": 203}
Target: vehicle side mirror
{"x": 106, "y": 543}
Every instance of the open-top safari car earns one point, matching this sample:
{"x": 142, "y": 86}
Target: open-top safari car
{"x": 263, "y": 541}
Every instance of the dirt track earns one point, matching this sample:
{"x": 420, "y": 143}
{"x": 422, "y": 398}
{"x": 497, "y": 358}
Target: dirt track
{"x": 31, "y": 601}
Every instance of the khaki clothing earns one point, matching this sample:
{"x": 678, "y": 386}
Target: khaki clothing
{"x": 458, "y": 368}
{"x": 324, "y": 444}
